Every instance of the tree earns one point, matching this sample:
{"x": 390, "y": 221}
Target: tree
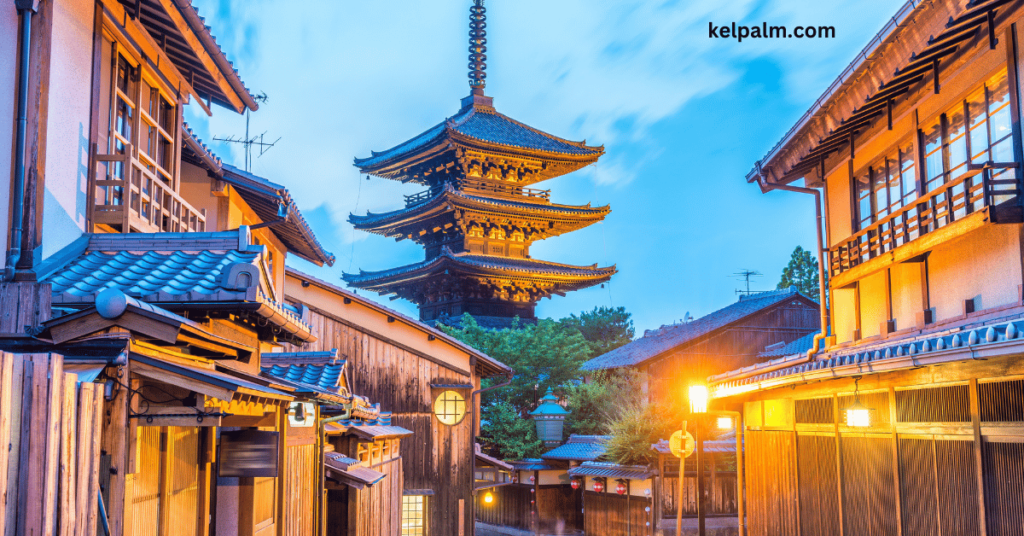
{"x": 507, "y": 434}
{"x": 605, "y": 328}
{"x": 638, "y": 426}
{"x": 598, "y": 402}
{"x": 802, "y": 273}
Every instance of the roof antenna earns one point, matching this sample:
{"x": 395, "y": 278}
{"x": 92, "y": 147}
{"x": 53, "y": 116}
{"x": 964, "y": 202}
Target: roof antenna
{"x": 247, "y": 141}
{"x": 746, "y": 274}
{"x": 477, "y": 47}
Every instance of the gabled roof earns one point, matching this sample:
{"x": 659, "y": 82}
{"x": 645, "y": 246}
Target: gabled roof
{"x": 271, "y": 202}
{"x": 613, "y": 470}
{"x": 536, "y": 464}
{"x": 448, "y": 198}
{"x": 178, "y": 271}
{"x": 579, "y": 448}
{"x": 350, "y": 471}
{"x": 487, "y": 365}
{"x": 479, "y": 125}
{"x": 532, "y": 269}
{"x": 654, "y": 344}
{"x": 328, "y": 377}
{"x": 799, "y": 346}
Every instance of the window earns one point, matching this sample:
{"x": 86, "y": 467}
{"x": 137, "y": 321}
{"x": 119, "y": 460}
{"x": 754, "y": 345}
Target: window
{"x": 413, "y": 518}
{"x": 970, "y": 134}
{"x": 450, "y": 408}
{"x": 886, "y": 186}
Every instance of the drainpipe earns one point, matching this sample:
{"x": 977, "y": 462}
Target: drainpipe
{"x": 26, "y": 9}
{"x": 816, "y": 347}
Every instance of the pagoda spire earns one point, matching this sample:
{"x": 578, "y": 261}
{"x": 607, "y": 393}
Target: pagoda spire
{"x": 477, "y": 47}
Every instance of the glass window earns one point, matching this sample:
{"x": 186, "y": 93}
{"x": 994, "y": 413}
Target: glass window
{"x": 413, "y": 520}
{"x": 886, "y": 186}
{"x": 450, "y": 407}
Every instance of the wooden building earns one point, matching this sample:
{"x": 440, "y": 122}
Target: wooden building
{"x": 478, "y": 217}
{"x": 726, "y": 339}
{"x": 429, "y": 382}
{"x": 908, "y": 417}
{"x": 618, "y": 500}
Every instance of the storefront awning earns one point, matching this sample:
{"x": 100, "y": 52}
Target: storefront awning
{"x": 202, "y": 380}
{"x": 349, "y": 471}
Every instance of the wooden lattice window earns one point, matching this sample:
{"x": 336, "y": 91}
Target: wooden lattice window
{"x": 1001, "y": 401}
{"x": 950, "y": 403}
{"x": 814, "y": 411}
{"x": 877, "y": 402}
{"x": 450, "y": 407}
{"x": 414, "y": 515}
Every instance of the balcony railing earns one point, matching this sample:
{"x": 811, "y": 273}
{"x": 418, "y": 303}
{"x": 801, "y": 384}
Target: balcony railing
{"x": 973, "y": 191}
{"x": 130, "y": 197}
{"x": 478, "y": 186}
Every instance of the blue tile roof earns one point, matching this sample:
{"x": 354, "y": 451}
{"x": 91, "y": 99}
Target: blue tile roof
{"x": 327, "y": 376}
{"x": 613, "y": 470}
{"x": 801, "y": 345}
{"x": 579, "y": 448}
{"x": 657, "y": 342}
{"x": 484, "y": 123}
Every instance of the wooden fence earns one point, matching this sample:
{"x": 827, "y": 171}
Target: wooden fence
{"x": 49, "y": 475}
{"x": 609, "y": 514}
{"x": 720, "y": 493}
{"x": 557, "y": 507}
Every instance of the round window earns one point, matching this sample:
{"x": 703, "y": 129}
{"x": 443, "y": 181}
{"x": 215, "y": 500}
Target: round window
{"x": 450, "y": 407}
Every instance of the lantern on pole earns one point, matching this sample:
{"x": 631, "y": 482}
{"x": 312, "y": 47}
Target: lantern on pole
{"x": 575, "y": 483}
{"x": 549, "y": 417}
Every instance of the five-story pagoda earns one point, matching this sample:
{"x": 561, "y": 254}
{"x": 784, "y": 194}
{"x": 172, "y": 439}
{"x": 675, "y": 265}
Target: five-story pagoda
{"x": 478, "y": 218}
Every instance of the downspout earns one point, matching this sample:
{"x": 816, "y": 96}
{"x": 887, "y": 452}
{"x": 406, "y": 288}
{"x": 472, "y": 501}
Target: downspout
{"x": 25, "y": 11}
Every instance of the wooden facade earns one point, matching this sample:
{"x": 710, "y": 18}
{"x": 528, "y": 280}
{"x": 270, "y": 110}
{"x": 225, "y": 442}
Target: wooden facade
{"x": 925, "y": 279}
{"x": 405, "y": 365}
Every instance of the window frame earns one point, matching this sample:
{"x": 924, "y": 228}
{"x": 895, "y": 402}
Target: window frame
{"x": 462, "y": 400}
{"x": 423, "y": 527}
{"x": 883, "y": 167}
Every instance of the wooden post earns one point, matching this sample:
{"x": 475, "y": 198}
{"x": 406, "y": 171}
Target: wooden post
{"x": 282, "y": 470}
{"x": 979, "y": 462}
{"x": 68, "y": 458}
{"x": 7, "y": 388}
{"x": 115, "y": 436}
{"x": 679, "y": 496}
{"x": 839, "y": 460}
{"x": 895, "y": 459}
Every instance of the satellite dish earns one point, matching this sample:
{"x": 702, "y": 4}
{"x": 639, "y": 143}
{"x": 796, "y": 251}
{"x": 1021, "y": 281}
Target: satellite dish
{"x": 688, "y": 318}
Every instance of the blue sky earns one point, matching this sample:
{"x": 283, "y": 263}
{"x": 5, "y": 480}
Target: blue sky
{"x": 682, "y": 117}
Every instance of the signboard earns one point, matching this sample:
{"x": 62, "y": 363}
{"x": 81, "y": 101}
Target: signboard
{"x": 248, "y": 453}
{"x": 680, "y": 445}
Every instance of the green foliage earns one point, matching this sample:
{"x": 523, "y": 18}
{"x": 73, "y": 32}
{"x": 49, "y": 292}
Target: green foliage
{"x": 637, "y": 427}
{"x": 598, "y": 402}
{"x": 802, "y": 273}
{"x": 604, "y": 328}
{"x": 508, "y": 435}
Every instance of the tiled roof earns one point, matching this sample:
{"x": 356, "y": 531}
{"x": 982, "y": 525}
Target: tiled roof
{"x": 449, "y": 194}
{"x": 613, "y": 470}
{"x": 172, "y": 270}
{"x": 327, "y": 377}
{"x": 579, "y": 448}
{"x": 801, "y": 345}
{"x": 348, "y": 469}
{"x": 484, "y": 123}
{"x": 529, "y": 267}
{"x": 267, "y": 199}
{"x": 657, "y": 342}
{"x": 979, "y": 340}
{"x": 725, "y": 444}
{"x": 535, "y": 464}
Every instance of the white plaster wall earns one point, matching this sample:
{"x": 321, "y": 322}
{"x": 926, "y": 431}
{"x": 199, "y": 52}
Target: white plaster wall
{"x": 839, "y": 218}
{"x": 984, "y": 263}
{"x": 8, "y": 105}
{"x": 907, "y": 294}
{"x": 874, "y": 304}
{"x": 844, "y": 317}
{"x": 67, "y": 127}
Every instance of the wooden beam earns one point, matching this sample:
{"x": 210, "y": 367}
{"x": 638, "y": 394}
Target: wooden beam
{"x": 979, "y": 462}
{"x": 895, "y": 461}
{"x": 182, "y": 381}
{"x": 204, "y": 57}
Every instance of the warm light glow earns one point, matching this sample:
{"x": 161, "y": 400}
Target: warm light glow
{"x": 725, "y": 423}
{"x": 858, "y": 416}
{"x": 698, "y": 399}
{"x": 488, "y": 497}
{"x": 620, "y": 488}
{"x": 598, "y": 486}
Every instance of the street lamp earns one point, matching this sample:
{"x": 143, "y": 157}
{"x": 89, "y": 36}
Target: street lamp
{"x": 488, "y": 497}
{"x": 857, "y": 414}
{"x": 698, "y": 398}
{"x": 725, "y": 423}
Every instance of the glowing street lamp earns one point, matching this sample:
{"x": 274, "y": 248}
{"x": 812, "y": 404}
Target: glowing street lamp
{"x": 857, "y": 414}
{"x": 698, "y": 398}
{"x": 488, "y": 498}
{"x": 725, "y": 423}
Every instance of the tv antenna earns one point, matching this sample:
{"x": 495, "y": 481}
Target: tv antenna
{"x": 250, "y": 141}
{"x": 746, "y": 275}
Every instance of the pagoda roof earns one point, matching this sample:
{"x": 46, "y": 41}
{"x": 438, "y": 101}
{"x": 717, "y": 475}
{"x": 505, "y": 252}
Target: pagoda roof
{"x": 482, "y": 265}
{"x": 479, "y": 125}
{"x": 449, "y": 197}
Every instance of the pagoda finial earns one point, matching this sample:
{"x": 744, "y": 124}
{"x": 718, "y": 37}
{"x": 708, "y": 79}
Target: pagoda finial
{"x": 477, "y": 47}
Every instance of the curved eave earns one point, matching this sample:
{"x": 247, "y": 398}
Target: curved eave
{"x": 448, "y": 200}
{"x": 574, "y": 277}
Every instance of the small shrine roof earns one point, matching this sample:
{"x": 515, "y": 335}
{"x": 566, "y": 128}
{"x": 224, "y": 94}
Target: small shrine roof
{"x": 613, "y": 470}
{"x": 579, "y": 448}
{"x": 502, "y": 205}
{"x": 327, "y": 377}
{"x": 515, "y": 267}
{"x": 661, "y": 340}
{"x": 481, "y": 122}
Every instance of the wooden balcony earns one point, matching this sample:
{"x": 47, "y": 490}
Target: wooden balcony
{"x": 482, "y": 187}
{"x": 959, "y": 206}
{"x": 129, "y": 197}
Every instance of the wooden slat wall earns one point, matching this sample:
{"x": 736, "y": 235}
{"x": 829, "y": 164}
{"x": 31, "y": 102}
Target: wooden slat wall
{"x": 721, "y": 493}
{"x": 50, "y": 431}
{"x": 436, "y": 457}
{"x": 379, "y": 506}
{"x": 1004, "y": 489}
{"x": 610, "y": 514}
{"x": 511, "y": 506}
{"x": 819, "y": 500}
{"x": 869, "y": 502}
{"x": 771, "y": 490}
{"x": 299, "y": 481}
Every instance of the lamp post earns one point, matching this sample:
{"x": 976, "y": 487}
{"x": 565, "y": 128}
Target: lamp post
{"x": 699, "y": 405}
{"x": 726, "y": 419}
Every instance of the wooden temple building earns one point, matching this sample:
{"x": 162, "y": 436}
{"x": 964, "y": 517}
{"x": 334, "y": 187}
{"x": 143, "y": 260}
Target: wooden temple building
{"x": 479, "y": 216}
{"x": 906, "y": 415}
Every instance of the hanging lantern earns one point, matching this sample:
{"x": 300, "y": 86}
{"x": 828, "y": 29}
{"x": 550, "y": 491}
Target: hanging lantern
{"x": 620, "y": 488}
{"x": 598, "y": 486}
{"x": 575, "y": 483}
{"x": 532, "y": 478}
{"x": 488, "y": 497}
{"x": 858, "y": 415}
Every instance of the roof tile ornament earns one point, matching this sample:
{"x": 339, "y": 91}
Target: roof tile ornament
{"x": 477, "y": 47}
